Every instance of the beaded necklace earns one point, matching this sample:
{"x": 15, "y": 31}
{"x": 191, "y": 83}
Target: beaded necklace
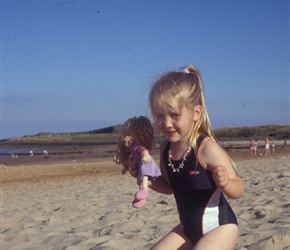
{"x": 187, "y": 151}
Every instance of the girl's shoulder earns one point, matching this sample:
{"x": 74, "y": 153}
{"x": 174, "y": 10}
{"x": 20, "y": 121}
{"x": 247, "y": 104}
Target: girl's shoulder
{"x": 211, "y": 153}
{"x": 207, "y": 145}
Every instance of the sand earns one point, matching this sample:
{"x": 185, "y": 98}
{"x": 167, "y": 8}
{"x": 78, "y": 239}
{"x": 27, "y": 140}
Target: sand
{"x": 85, "y": 203}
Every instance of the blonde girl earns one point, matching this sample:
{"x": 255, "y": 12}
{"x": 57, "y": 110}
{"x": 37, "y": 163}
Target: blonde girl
{"x": 194, "y": 167}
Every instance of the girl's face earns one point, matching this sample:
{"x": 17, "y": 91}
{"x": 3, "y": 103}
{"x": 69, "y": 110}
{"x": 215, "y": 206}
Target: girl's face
{"x": 174, "y": 124}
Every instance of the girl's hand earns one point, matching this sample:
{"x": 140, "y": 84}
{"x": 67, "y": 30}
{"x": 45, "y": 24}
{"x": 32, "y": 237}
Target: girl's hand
{"x": 133, "y": 166}
{"x": 220, "y": 176}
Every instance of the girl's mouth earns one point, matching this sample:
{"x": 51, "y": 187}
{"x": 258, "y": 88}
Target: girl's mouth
{"x": 170, "y": 133}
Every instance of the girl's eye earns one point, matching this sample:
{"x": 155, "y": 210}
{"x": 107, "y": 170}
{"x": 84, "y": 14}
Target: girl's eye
{"x": 160, "y": 117}
{"x": 174, "y": 116}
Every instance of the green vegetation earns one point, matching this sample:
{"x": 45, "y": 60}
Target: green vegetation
{"x": 110, "y": 135}
{"x": 257, "y": 132}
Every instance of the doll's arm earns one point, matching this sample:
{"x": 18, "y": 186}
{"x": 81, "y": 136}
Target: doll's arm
{"x": 146, "y": 157}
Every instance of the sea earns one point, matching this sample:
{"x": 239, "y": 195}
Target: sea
{"x": 20, "y": 151}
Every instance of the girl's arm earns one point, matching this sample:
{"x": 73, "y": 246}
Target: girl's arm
{"x": 161, "y": 185}
{"x": 215, "y": 159}
{"x": 233, "y": 187}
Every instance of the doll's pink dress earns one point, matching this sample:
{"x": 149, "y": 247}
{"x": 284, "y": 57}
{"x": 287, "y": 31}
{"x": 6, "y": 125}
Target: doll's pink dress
{"x": 149, "y": 169}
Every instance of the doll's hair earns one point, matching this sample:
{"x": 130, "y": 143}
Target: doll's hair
{"x": 179, "y": 89}
{"x": 140, "y": 131}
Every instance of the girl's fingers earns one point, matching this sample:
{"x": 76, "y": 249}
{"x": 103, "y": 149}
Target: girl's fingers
{"x": 220, "y": 175}
{"x": 133, "y": 166}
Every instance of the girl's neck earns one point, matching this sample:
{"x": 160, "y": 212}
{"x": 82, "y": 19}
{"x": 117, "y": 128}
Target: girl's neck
{"x": 178, "y": 149}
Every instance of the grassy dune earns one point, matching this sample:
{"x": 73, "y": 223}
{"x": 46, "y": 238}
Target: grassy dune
{"x": 110, "y": 135}
{"x": 256, "y": 132}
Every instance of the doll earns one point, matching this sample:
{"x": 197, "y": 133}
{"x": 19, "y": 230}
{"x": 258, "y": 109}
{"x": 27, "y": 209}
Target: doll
{"x": 137, "y": 139}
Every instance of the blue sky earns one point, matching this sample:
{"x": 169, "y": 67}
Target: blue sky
{"x": 69, "y": 66}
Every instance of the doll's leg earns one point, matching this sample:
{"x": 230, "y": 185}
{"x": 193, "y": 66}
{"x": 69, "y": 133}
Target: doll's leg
{"x": 144, "y": 183}
{"x": 143, "y": 189}
{"x": 141, "y": 194}
{"x": 139, "y": 203}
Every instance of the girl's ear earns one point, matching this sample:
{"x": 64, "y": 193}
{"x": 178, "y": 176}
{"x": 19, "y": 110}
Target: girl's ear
{"x": 197, "y": 112}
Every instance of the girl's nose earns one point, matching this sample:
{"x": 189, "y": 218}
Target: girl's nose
{"x": 168, "y": 122}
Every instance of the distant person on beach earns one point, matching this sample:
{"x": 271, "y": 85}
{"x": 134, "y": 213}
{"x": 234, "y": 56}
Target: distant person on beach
{"x": 194, "y": 167}
{"x": 31, "y": 153}
{"x": 251, "y": 147}
{"x": 255, "y": 145}
{"x": 273, "y": 148}
{"x": 267, "y": 146}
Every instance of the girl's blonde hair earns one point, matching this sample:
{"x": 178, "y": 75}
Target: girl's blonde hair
{"x": 185, "y": 89}
{"x": 137, "y": 130}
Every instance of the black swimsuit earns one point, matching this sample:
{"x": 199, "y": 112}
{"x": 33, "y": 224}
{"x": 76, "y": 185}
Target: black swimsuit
{"x": 201, "y": 205}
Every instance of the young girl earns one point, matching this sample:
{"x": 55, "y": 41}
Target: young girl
{"x": 194, "y": 167}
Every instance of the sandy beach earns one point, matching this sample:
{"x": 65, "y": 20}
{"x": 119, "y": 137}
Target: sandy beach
{"x": 81, "y": 201}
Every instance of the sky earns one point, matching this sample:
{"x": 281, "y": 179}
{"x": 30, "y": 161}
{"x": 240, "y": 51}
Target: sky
{"x": 72, "y": 66}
